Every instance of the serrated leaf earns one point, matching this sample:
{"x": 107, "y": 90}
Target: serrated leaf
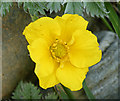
{"x": 5, "y": 7}
{"x": 33, "y": 7}
{"x": 19, "y": 3}
{"x": 25, "y": 6}
{"x": 26, "y": 91}
{"x": 51, "y": 96}
{"x": 74, "y": 8}
{"x": 96, "y": 9}
{"x": 40, "y": 7}
{"x": 54, "y": 6}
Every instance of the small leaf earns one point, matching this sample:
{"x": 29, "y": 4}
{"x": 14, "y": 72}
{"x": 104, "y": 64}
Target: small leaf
{"x": 41, "y": 6}
{"x": 25, "y": 6}
{"x": 19, "y": 3}
{"x": 26, "y": 91}
{"x": 54, "y": 6}
{"x": 5, "y": 7}
{"x": 74, "y": 8}
{"x": 96, "y": 9}
{"x": 33, "y": 7}
{"x": 51, "y": 96}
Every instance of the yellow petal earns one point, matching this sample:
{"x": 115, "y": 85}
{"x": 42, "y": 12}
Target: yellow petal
{"x": 70, "y": 76}
{"x": 48, "y": 81}
{"x": 84, "y": 52}
{"x": 40, "y": 54}
{"x": 70, "y": 23}
{"x": 44, "y": 27}
{"x": 42, "y": 71}
{"x": 66, "y": 16}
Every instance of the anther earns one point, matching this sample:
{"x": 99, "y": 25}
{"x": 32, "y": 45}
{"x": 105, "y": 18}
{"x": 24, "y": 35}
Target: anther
{"x": 65, "y": 43}
{"x": 58, "y": 50}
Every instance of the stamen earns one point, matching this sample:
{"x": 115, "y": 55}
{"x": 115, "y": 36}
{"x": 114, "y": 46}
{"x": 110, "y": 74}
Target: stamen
{"x": 58, "y": 50}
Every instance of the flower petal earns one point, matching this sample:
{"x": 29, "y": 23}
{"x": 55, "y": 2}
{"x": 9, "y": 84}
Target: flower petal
{"x": 48, "y": 81}
{"x": 44, "y": 27}
{"x": 70, "y": 76}
{"x": 84, "y": 52}
{"x": 40, "y": 54}
{"x": 70, "y": 23}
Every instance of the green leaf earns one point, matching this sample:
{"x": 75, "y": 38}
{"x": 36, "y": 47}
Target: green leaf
{"x": 88, "y": 92}
{"x": 113, "y": 17}
{"x": 26, "y": 91}
{"x": 51, "y": 96}
{"x": 74, "y": 8}
{"x": 5, "y": 7}
{"x": 33, "y": 8}
{"x": 96, "y": 9}
{"x": 19, "y": 3}
{"x": 54, "y": 6}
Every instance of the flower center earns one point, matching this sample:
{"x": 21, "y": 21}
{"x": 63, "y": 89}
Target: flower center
{"x": 58, "y": 50}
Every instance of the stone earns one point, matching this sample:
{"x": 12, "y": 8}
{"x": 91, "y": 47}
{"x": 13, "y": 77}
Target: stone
{"x": 102, "y": 79}
{"x": 16, "y": 63}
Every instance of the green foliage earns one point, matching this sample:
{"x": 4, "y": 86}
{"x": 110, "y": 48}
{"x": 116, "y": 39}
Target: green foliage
{"x": 5, "y": 7}
{"x": 93, "y": 8}
{"x": 38, "y": 8}
{"x": 114, "y": 18}
{"x": 54, "y": 6}
{"x": 51, "y": 96}
{"x": 34, "y": 8}
{"x": 68, "y": 92}
{"x": 26, "y": 91}
{"x": 61, "y": 92}
{"x": 34, "y": 17}
{"x": 96, "y": 9}
{"x": 30, "y": 92}
{"x": 74, "y": 8}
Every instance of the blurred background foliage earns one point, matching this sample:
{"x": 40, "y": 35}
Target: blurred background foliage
{"x": 108, "y": 12}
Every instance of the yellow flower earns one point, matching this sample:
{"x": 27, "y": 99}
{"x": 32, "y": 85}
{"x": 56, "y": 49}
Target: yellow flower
{"x": 62, "y": 49}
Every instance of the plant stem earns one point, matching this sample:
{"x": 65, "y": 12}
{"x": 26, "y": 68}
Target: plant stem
{"x": 113, "y": 17}
{"x": 69, "y": 93}
{"x": 107, "y": 24}
{"x": 88, "y": 92}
